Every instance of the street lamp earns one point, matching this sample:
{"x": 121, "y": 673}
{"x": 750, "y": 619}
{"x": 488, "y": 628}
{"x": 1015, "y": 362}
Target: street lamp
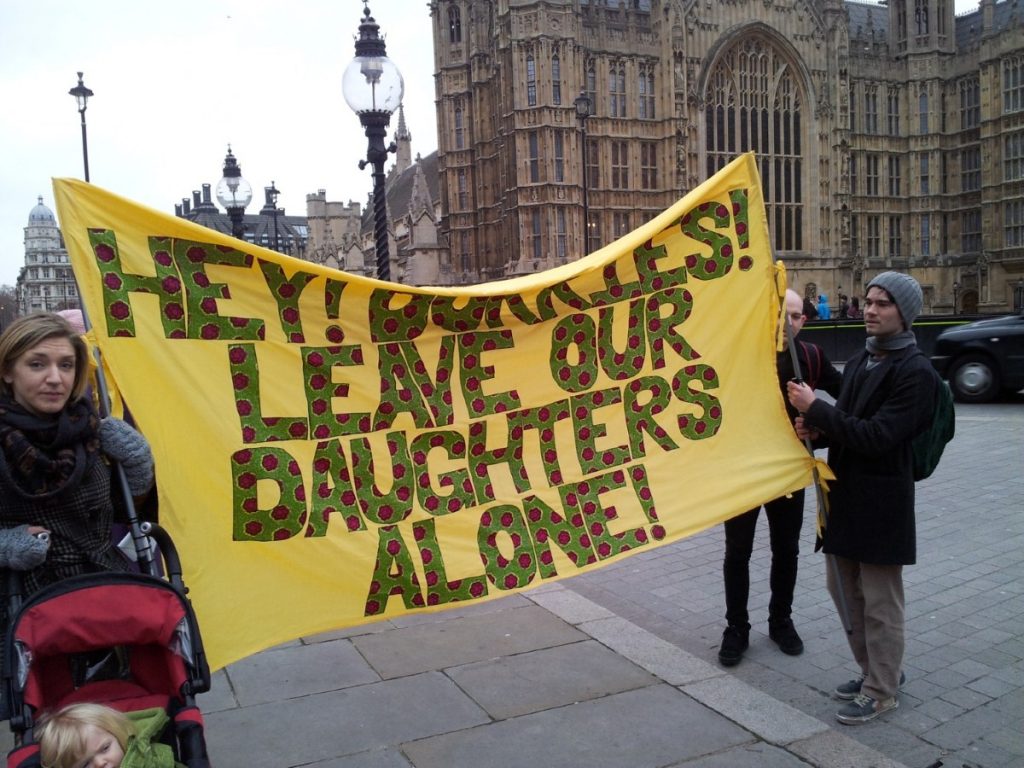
{"x": 234, "y": 193}
{"x": 583, "y": 111}
{"x": 373, "y": 88}
{"x": 271, "y": 196}
{"x": 82, "y": 94}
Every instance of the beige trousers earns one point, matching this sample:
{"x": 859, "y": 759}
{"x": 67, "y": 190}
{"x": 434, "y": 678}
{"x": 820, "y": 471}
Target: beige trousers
{"x": 874, "y": 596}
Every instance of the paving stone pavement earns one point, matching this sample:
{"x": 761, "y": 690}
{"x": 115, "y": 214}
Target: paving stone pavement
{"x": 963, "y": 704}
{"x": 618, "y": 667}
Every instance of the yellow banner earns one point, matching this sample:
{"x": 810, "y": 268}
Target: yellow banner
{"x": 331, "y": 450}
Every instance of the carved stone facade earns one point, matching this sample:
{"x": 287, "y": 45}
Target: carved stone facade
{"x": 888, "y": 136}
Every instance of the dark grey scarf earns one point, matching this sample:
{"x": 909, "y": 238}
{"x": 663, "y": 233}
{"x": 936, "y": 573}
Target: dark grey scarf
{"x": 876, "y": 345}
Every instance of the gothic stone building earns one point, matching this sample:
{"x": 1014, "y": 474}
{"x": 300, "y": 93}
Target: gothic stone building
{"x": 889, "y": 135}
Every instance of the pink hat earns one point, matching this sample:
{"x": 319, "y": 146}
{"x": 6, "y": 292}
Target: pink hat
{"x": 74, "y": 318}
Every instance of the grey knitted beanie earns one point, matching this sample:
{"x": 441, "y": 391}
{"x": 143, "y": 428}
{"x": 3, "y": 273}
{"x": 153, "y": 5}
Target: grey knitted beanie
{"x": 905, "y": 291}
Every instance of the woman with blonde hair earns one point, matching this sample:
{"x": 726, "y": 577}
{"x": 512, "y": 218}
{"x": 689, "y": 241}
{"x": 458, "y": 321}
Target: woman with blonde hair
{"x": 56, "y": 507}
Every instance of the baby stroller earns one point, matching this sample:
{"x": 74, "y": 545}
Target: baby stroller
{"x": 144, "y": 622}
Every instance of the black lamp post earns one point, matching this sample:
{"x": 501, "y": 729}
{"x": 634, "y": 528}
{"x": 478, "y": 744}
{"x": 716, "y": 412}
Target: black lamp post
{"x": 583, "y": 111}
{"x": 373, "y": 88}
{"x": 272, "y": 192}
{"x": 82, "y": 94}
{"x": 234, "y": 193}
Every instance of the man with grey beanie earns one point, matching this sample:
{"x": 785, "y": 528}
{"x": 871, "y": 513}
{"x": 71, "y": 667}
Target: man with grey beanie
{"x": 888, "y": 397}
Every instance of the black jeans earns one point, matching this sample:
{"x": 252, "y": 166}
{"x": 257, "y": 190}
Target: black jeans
{"x": 785, "y": 517}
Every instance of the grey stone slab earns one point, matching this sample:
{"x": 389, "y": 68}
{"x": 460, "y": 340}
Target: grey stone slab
{"x": 478, "y": 637}
{"x": 569, "y": 606}
{"x": 469, "y": 609}
{"x": 375, "y": 758}
{"x": 669, "y": 662}
{"x": 747, "y": 756}
{"x": 835, "y": 750}
{"x": 650, "y": 727}
{"x": 298, "y": 670}
{"x": 548, "y": 678}
{"x": 758, "y": 712}
{"x": 372, "y": 628}
{"x": 339, "y": 724}
{"x": 220, "y": 696}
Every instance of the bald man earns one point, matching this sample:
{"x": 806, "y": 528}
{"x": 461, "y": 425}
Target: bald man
{"x": 785, "y": 518}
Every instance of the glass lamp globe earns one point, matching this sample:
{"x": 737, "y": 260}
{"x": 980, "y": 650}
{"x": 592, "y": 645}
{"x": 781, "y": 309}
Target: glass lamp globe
{"x": 372, "y": 84}
{"x": 234, "y": 192}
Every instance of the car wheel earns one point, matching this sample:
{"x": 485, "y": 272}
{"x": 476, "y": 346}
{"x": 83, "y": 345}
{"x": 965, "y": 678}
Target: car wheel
{"x": 973, "y": 379}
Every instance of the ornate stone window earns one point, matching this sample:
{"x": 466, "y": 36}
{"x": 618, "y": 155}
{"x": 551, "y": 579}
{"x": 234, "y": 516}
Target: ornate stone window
{"x": 556, "y": 80}
{"x": 531, "y": 81}
{"x": 1013, "y": 84}
{"x": 1013, "y": 223}
{"x": 1013, "y": 156}
{"x": 460, "y": 135}
{"x": 970, "y": 102}
{"x": 754, "y": 102}
{"x": 454, "y": 24}
{"x": 871, "y": 109}
{"x": 617, "y": 90}
{"x": 645, "y": 92}
{"x": 921, "y": 17}
{"x": 895, "y": 237}
{"x": 970, "y": 231}
{"x": 591, "y": 86}
{"x": 894, "y": 111}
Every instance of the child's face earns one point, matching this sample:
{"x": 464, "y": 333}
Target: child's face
{"x": 102, "y": 750}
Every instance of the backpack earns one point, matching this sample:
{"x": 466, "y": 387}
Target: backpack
{"x": 927, "y": 447}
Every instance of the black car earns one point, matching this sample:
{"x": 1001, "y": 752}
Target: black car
{"x": 983, "y": 358}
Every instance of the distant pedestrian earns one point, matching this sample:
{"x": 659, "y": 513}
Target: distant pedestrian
{"x": 854, "y": 311}
{"x": 810, "y": 311}
{"x": 888, "y": 397}
{"x": 824, "y": 311}
{"x": 844, "y": 306}
{"x": 785, "y": 518}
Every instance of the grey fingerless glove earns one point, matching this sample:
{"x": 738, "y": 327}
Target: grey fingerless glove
{"x": 130, "y": 449}
{"x": 20, "y": 550}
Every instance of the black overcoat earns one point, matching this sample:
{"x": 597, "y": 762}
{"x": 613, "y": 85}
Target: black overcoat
{"x": 869, "y": 432}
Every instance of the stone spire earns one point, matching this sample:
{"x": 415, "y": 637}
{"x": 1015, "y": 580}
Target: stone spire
{"x": 403, "y": 157}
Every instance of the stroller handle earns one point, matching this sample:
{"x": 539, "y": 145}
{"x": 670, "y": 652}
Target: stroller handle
{"x": 169, "y": 552}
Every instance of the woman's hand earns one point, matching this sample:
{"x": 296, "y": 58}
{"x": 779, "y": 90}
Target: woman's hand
{"x": 21, "y": 548}
{"x": 130, "y": 449}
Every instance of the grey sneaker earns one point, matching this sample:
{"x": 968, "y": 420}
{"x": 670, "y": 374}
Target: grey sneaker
{"x": 863, "y": 709}
{"x": 850, "y": 690}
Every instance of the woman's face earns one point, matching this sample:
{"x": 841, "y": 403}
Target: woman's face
{"x": 43, "y": 377}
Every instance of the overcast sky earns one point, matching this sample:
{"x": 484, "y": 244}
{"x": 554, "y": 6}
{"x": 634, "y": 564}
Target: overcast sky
{"x": 176, "y": 82}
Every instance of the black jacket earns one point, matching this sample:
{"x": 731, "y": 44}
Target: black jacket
{"x": 869, "y": 433}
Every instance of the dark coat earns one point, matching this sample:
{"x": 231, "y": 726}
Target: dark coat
{"x": 869, "y": 432}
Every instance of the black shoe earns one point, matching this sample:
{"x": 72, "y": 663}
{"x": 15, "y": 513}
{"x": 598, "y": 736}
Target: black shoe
{"x": 784, "y": 634}
{"x": 735, "y": 641}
